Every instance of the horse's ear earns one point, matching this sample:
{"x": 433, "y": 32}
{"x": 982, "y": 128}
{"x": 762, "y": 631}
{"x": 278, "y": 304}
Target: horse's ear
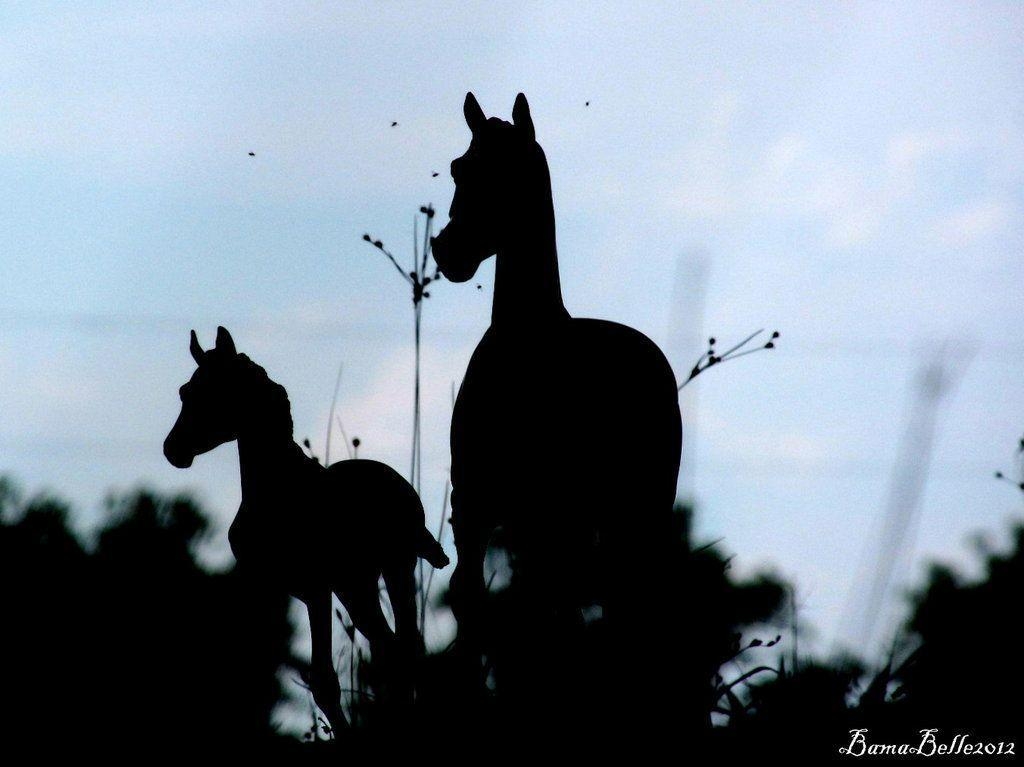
{"x": 195, "y": 348}
{"x": 225, "y": 344}
{"x": 521, "y": 118}
{"x": 475, "y": 118}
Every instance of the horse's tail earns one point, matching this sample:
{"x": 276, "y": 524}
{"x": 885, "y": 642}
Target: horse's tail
{"x": 429, "y": 549}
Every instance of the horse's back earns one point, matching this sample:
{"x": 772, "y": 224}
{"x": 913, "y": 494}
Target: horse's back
{"x": 593, "y": 344}
{"x": 596, "y": 373}
{"x": 580, "y": 413}
{"x": 627, "y": 429}
{"x": 623, "y": 375}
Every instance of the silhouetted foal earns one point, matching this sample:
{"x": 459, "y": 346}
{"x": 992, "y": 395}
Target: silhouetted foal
{"x": 566, "y": 432}
{"x": 305, "y": 528}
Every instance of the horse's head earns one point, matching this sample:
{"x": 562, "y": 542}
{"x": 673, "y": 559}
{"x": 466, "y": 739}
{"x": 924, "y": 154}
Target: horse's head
{"x": 209, "y": 403}
{"x": 501, "y": 177}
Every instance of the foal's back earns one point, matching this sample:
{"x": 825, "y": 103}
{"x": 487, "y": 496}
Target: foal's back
{"x": 348, "y": 519}
{"x": 377, "y": 501}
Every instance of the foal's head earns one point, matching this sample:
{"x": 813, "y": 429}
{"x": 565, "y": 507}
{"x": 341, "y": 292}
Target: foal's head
{"x": 210, "y": 402}
{"x": 501, "y": 183}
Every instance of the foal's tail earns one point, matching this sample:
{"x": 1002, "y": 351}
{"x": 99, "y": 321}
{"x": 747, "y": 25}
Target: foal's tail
{"x": 429, "y": 549}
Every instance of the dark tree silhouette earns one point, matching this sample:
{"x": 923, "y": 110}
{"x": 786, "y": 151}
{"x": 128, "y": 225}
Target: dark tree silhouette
{"x": 955, "y": 671}
{"x": 965, "y": 673}
{"x": 130, "y": 641}
{"x": 530, "y": 661}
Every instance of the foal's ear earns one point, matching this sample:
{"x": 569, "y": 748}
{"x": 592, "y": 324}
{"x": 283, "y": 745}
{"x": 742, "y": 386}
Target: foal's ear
{"x": 521, "y": 118}
{"x": 195, "y": 348}
{"x": 475, "y": 118}
{"x": 225, "y": 344}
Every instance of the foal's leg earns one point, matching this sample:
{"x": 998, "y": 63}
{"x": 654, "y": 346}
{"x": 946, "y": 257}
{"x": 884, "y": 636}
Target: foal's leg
{"x": 324, "y": 681}
{"x": 362, "y": 600}
{"x": 400, "y": 578}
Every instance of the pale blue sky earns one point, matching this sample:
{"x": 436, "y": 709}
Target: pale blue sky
{"x": 851, "y": 174}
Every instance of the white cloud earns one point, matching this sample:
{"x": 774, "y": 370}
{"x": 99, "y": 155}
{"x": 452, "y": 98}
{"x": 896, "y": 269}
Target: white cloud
{"x": 855, "y": 225}
{"x": 798, "y": 177}
{"x": 380, "y": 414}
{"x": 973, "y": 222}
{"x": 744, "y": 444}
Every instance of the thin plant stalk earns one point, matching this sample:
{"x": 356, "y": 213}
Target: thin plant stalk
{"x": 344, "y": 436}
{"x": 330, "y": 418}
{"x": 419, "y": 280}
{"x": 711, "y": 357}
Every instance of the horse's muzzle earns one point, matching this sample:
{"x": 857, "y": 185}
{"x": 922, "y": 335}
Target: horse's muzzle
{"x": 178, "y": 458}
{"x": 450, "y": 254}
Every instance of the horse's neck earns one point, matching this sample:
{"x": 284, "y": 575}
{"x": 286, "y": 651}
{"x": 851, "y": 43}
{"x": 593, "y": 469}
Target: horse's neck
{"x": 264, "y": 462}
{"x": 527, "y": 289}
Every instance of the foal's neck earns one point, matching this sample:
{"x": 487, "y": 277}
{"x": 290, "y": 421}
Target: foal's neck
{"x": 262, "y": 457}
{"x": 527, "y": 289}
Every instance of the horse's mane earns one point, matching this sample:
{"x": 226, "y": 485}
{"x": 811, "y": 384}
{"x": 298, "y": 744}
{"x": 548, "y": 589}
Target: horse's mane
{"x": 266, "y": 399}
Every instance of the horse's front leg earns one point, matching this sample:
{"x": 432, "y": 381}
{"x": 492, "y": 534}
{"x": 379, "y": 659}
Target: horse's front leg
{"x": 323, "y": 678}
{"x": 468, "y": 590}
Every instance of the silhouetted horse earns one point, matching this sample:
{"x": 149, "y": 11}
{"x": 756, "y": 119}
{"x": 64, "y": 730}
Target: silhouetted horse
{"x": 302, "y": 527}
{"x": 566, "y": 432}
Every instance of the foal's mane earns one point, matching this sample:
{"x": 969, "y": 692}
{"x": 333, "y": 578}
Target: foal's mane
{"x": 265, "y": 399}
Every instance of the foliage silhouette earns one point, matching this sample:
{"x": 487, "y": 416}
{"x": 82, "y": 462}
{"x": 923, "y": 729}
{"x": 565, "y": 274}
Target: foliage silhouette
{"x": 964, "y": 673}
{"x": 129, "y": 641}
{"x": 547, "y": 674}
{"x": 955, "y": 671}
{"x": 125, "y": 641}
